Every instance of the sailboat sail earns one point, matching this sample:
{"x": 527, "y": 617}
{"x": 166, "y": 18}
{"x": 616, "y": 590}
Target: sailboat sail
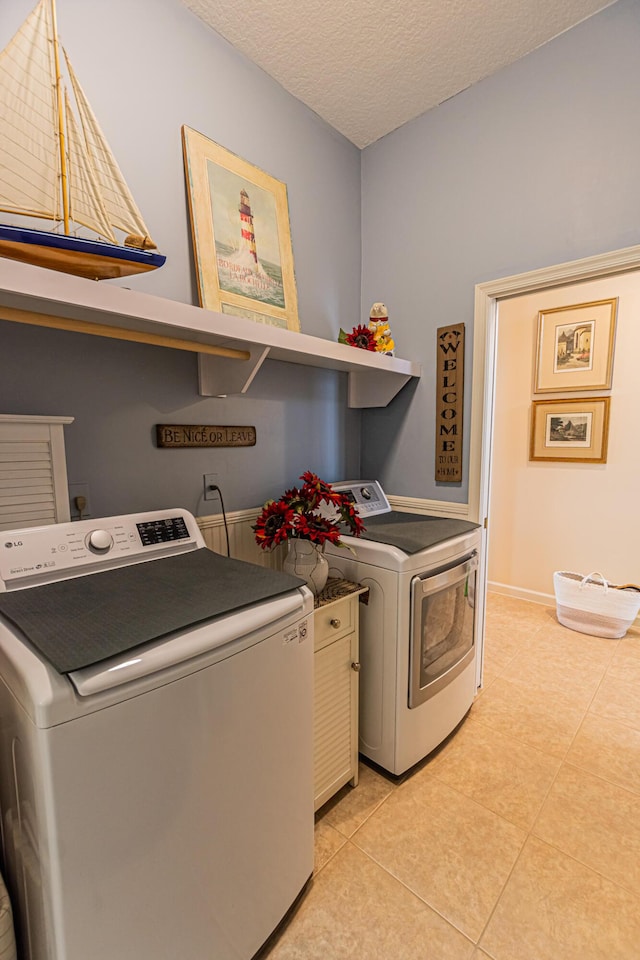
{"x": 119, "y": 203}
{"x": 29, "y": 147}
{"x": 85, "y": 203}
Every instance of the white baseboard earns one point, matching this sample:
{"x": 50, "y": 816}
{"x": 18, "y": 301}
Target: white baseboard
{"x": 520, "y": 593}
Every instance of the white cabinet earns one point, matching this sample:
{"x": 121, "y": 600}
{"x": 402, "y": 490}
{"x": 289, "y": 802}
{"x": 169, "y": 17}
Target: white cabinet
{"x": 335, "y": 695}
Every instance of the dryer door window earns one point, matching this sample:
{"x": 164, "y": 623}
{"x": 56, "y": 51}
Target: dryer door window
{"x": 442, "y": 628}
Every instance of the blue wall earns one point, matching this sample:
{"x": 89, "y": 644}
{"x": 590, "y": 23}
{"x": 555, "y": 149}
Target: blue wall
{"x": 147, "y": 68}
{"x": 534, "y": 166}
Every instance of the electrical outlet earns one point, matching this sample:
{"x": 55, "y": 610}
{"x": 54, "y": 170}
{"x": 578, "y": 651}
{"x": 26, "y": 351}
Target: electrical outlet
{"x": 209, "y": 479}
{"x": 79, "y": 490}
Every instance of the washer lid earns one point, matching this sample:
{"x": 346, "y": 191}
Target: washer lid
{"x": 78, "y": 622}
{"x": 413, "y": 532}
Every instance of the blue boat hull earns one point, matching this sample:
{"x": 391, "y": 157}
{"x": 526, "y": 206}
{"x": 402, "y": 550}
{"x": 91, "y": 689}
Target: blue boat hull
{"x": 92, "y": 259}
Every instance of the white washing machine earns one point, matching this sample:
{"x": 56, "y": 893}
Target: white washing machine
{"x": 418, "y": 630}
{"x": 156, "y": 746}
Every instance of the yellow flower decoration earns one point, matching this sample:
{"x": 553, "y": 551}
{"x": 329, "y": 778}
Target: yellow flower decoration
{"x": 382, "y": 336}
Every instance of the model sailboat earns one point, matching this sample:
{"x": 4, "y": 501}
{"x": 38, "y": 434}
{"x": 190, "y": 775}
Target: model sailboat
{"x": 57, "y": 168}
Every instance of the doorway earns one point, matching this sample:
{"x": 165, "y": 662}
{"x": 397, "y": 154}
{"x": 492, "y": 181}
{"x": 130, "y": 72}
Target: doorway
{"x": 487, "y": 299}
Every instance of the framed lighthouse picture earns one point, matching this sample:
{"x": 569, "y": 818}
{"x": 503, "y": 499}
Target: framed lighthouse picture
{"x": 241, "y": 235}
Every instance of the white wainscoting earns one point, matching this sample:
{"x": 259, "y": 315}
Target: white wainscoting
{"x": 433, "y": 508}
{"x": 242, "y": 544}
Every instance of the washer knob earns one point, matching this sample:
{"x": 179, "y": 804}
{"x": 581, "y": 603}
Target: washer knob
{"x": 100, "y": 541}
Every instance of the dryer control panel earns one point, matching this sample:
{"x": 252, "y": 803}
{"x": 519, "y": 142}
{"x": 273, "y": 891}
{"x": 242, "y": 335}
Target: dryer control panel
{"x": 367, "y": 496}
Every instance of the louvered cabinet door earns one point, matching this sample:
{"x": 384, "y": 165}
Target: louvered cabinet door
{"x": 33, "y": 472}
{"x": 335, "y": 698}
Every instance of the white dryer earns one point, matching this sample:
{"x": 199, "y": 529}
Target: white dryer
{"x": 156, "y": 748}
{"x": 418, "y": 630}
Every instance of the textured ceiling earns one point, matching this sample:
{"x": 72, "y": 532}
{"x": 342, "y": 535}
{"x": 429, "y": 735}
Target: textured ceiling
{"x": 368, "y": 66}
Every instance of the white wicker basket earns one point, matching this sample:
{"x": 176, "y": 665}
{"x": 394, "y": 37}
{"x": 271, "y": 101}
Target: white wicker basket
{"x": 591, "y": 605}
{"x": 7, "y": 938}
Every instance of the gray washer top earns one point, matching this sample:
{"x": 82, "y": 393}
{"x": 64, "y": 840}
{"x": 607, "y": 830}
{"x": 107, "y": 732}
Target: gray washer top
{"x": 78, "y": 622}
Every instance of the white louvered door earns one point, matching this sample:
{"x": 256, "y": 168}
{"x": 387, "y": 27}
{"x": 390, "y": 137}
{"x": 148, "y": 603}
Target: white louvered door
{"x": 33, "y": 472}
{"x": 335, "y": 697}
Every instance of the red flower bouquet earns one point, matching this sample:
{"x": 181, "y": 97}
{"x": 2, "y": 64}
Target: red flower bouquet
{"x": 360, "y": 336}
{"x": 297, "y": 515}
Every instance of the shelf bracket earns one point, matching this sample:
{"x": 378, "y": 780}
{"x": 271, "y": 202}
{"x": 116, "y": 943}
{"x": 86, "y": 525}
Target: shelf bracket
{"x": 221, "y": 376}
{"x": 374, "y": 388}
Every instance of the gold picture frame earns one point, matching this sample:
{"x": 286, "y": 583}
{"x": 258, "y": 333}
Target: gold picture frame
{"x": 571, "y": 430}
{"x": 575, "y": 347}
{"x": 241, "y": 235}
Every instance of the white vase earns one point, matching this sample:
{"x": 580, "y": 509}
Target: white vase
{"x": 305, "y": 560}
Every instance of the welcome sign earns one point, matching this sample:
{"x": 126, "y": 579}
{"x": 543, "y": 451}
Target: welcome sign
{"x": 449, "y": 398}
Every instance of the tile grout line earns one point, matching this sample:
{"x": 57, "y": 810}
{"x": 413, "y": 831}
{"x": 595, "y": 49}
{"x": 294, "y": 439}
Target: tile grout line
{"x": 530, "y": 829}
{"x": 530, "y": 833}
{"x": 413, "y": 893}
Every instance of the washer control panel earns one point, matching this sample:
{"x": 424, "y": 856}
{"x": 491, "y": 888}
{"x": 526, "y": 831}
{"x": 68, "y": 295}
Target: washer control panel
{"x": 367, "y": 496}
{"x": 38, "y": 555}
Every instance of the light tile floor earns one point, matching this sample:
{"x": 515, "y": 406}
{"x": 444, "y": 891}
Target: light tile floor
{"x": 518, "y": 840}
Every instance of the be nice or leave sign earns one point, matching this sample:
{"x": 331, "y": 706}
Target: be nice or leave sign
{"x": 203, "y": 435}
{"x": 449, "y": 397}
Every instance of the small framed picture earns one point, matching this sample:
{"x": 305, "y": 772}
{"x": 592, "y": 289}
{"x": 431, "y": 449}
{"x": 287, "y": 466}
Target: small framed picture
{"x": 241, "y": 235}
{"x": 571, "y": 430}
{"x": 575, "y": 347}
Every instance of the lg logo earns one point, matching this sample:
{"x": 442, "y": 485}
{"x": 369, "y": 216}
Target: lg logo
{"x": 15, "y": 543}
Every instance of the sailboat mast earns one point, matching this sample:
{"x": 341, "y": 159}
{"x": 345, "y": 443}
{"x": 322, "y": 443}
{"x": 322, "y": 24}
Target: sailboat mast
{"x": 61, "y": 135}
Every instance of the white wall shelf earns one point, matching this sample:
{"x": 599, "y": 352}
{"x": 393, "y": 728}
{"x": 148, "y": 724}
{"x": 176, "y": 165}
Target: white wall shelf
{"x": 231, "y": 349}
